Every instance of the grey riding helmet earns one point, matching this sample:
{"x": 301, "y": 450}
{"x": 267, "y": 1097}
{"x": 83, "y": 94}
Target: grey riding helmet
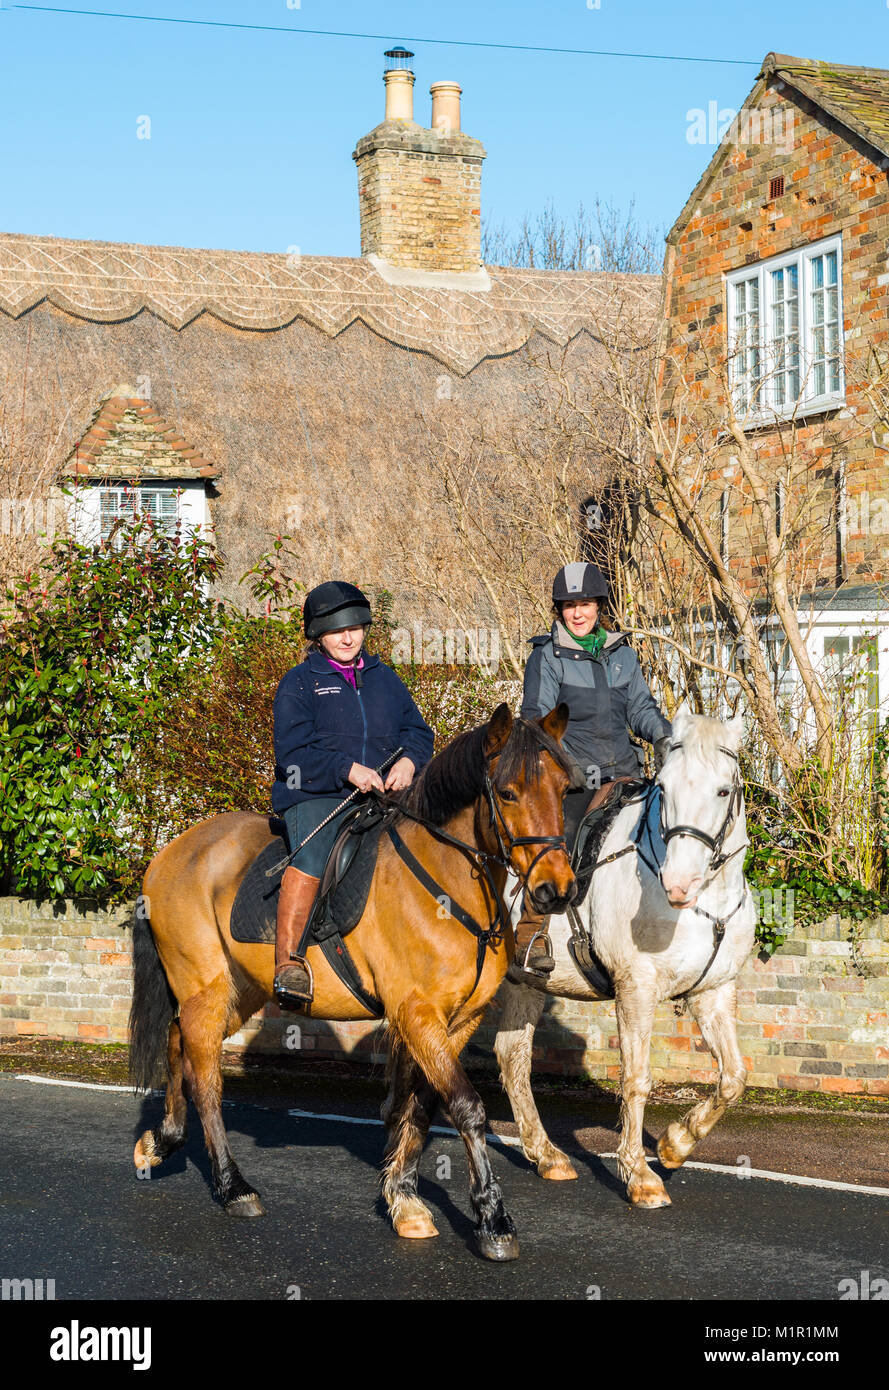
{"x": 579, "y": 580}
{"x": 332, "y": 606}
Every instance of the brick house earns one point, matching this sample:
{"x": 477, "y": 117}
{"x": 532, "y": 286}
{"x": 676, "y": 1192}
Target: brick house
{"x": 777, "y": 268}
{"x": 263, "y": 393}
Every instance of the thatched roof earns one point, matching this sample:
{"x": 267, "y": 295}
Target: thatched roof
{"x": 108, "y": 283}
{"x": 320, "y": 393}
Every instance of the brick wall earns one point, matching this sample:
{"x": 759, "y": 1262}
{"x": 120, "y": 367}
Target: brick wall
{"x": 833, "y": 184}
{"x": 420, "y": 197}
{"x": 813, "y": 1017}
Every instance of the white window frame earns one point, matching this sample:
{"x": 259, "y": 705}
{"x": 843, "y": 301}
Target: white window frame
{"x": 85, "y": 505}
{"x": 139, "y": 492}
{"x": 766, "y": 408}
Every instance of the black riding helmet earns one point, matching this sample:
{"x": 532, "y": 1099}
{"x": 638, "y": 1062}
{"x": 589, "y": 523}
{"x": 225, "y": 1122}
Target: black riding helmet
{"x": 578, "y": 581}
{"x": 332, "y": 606}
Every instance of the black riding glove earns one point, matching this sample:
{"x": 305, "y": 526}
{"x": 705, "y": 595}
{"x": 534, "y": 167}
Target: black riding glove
{"x": 661, "y": 749}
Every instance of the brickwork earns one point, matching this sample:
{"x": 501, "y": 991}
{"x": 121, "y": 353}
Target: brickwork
{"x": 834, "y": 183}
{"x": 813, "y": 1017}
{"x": 129, "y": 439}
{"x": 420, "y": 197}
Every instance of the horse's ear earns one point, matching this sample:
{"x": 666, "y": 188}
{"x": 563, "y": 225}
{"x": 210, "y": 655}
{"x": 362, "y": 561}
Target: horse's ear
{"x": 734, "y": 732}
{"x": 681, "y": 721}
{"x": 498, "y": 730}
{"x": 556, "y": 722}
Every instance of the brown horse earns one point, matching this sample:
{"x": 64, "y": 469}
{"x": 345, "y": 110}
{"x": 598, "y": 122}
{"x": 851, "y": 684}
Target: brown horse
{"x": 498, "y": 790}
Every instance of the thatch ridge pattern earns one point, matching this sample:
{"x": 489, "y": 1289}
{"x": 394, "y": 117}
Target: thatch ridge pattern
{"x": 108, "y": 283}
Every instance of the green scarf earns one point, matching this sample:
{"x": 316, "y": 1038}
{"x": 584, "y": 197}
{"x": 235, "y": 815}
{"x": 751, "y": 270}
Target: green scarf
{"x": 593, "y": 642}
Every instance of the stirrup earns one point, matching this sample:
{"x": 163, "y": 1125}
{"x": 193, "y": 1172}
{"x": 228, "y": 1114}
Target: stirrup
{"x": 296, "y": 994}
{"x": 540, "y": 968}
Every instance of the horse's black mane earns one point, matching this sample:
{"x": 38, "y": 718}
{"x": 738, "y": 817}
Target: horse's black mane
{"x": 455, "y": 776}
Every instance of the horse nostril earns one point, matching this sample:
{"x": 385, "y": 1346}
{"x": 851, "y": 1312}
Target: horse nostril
{"x": 544, "y": 895}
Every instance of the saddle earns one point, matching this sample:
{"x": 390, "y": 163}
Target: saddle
{"x": 586, "y": 837}
{"x": 594, "y": 825}
{"x": 342, "y": 894}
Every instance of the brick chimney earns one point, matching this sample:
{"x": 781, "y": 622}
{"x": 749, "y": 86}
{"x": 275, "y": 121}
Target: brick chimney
{"x": 419, "y": 189}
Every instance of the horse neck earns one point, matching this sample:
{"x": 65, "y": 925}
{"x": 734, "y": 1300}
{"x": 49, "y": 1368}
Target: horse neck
{"x": 464, "y": 826}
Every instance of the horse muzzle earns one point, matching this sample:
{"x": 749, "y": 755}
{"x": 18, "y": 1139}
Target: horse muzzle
{"x": 548, "y": 898}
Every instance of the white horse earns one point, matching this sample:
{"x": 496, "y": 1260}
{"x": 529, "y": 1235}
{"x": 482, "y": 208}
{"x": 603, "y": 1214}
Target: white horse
{"x": 684, "y": 934}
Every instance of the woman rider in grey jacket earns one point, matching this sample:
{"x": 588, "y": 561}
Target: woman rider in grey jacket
{"x": 597, "y": 674}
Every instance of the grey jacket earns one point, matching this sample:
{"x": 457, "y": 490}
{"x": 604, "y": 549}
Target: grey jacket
{"x": 605, "y": 695}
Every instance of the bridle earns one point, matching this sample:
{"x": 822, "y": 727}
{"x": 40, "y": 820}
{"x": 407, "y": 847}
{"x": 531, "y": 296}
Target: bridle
{"x": 713, "y": 842}
{"x": 494, "y": 933}
{"x": 550, "y": 842}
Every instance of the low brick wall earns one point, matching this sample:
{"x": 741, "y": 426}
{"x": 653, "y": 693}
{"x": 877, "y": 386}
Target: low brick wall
{"x": 815, "y": 1016}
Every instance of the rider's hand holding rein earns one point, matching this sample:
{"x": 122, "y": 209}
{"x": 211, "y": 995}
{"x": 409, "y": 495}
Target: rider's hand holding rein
{"x": 399, "y": 776}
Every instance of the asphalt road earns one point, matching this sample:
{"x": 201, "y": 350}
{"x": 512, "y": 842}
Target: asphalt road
{"x": 72, "y": 1209}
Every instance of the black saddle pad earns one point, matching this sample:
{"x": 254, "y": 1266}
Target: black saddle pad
{"x": 256, "y": 905}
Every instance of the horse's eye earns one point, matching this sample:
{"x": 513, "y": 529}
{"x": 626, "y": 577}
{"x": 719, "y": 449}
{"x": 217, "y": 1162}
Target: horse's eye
{"x": 508, "y": 796}
{"x": 723, "y": 791}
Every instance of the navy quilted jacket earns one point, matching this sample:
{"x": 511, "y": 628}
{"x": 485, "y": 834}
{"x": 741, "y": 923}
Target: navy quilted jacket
{"x": 323, "y": 726}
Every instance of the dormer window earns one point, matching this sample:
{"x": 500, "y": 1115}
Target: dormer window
{"x": 160, "y": 504}
{"x": 785, "y": 319}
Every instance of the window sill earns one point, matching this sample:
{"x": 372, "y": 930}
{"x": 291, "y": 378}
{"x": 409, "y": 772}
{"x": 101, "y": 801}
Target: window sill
{"x": 800, "y": 415}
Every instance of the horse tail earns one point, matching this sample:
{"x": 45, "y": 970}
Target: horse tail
{"x": 153, "y": 1008}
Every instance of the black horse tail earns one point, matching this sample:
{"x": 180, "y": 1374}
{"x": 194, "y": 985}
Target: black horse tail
{"x": 153, "y": 1008}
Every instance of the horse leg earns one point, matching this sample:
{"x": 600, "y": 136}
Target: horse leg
{"x": 407, "y": 1113}
{"x": 425, "y": 1032}
{"x": 635, "y": 1016}
{"x": 520, "y": 1010}
{"x": 157, "y": 1144}
{"x": 715, "y": 1013}
{"x": 203, "y": 1020}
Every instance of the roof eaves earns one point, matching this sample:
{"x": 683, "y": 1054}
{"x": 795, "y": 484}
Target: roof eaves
{"x": 816, "y": 94}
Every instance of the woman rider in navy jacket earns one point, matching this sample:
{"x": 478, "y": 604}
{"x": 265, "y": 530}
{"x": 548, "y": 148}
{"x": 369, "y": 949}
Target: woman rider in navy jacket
{"x": 338, "y": 715}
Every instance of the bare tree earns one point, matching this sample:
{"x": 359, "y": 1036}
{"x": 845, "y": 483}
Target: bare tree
{"x": 604, "y": 238}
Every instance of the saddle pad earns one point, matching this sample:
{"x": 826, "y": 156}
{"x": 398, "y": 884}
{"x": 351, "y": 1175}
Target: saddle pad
{"x": 256, "y": 905}
{"x": 647, "y": 837}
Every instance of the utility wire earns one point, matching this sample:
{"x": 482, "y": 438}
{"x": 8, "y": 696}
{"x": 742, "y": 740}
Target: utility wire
{"x": 387, "y": 38}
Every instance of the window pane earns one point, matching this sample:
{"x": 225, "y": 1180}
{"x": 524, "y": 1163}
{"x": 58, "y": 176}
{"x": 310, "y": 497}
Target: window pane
{"x": 745, "y": 330}
{"x": 784, "y": 346}
{"x": 825, "y": 376}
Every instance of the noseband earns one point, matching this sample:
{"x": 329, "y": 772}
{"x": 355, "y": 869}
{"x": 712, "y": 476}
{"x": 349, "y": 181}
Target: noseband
{"x": 713, "y": 842}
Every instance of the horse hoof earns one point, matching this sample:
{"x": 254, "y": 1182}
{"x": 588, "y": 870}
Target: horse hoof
{"x": 559, "y": 1172}
{"x": 667, "y": 1155}
{"x": 143, "y": 1154}
{"x": 498, "y": 1248}
{"x": 416, "y": 1228}
{"x": 651, "y": 1200}
{"x": 248, "y": 1204}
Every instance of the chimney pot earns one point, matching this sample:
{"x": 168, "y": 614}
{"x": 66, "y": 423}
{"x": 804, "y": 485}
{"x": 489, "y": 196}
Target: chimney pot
{"x": 446, "y": 107}
{"x": 399, "y": 82}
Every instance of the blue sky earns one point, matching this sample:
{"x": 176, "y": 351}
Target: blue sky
{"x": 252, "y": 133}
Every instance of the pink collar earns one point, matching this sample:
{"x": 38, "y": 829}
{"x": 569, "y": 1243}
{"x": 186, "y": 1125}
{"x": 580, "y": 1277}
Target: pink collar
{"x": 347, "y": 671}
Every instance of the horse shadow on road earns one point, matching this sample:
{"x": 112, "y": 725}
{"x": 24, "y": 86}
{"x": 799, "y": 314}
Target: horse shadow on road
{"x": 269, "y": 1126}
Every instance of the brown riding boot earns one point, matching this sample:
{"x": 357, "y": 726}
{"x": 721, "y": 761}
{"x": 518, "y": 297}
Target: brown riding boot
{"x": 533, "y": 961}
{"x": 294, "y": 986}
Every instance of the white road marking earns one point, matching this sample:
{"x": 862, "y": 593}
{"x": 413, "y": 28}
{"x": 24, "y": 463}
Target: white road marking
{"x": 494, "y": 1139}
{"x": 81, "y": 1085}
